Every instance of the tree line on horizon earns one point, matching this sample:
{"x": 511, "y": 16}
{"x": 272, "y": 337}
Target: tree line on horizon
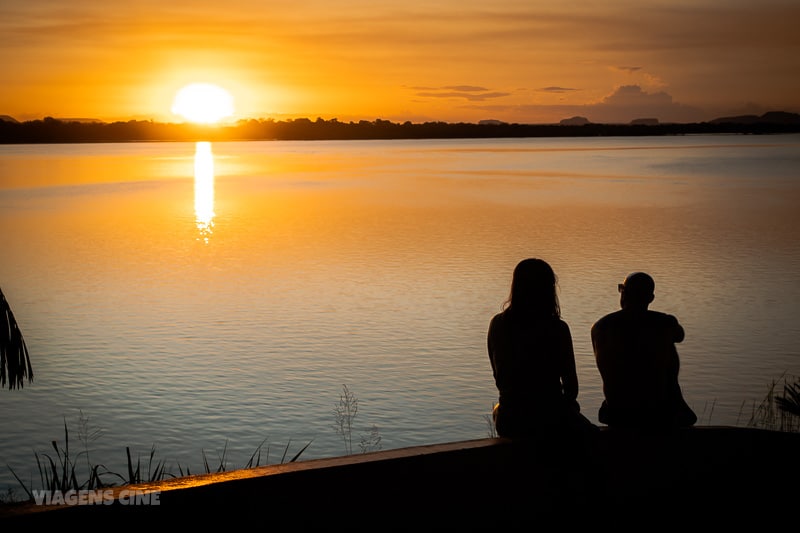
{"x": 52, "y": 130}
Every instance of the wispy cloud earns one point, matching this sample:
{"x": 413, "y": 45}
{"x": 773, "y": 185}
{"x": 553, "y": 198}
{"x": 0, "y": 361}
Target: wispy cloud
{"x": 629, "y": 70}
{"x": 556, "y": 90}
{"x": 466, "y": 88}
{"x": 467, "y": 92}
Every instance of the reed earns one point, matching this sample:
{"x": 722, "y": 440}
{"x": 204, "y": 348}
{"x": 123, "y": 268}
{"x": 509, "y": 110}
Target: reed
{"x": 59, "y": 472}
{"x": 779, "y": 410}
{"x": 345, "y": 413}
{"x": 62, "y": 470}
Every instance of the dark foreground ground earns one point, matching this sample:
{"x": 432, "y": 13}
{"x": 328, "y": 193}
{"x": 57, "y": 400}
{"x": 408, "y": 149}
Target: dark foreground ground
{"x": 714, "y": 476}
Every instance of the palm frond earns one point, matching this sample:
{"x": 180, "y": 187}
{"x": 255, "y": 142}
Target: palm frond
{"x": 15, "y": 363}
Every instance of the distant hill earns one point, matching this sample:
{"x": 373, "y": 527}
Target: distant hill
{"x": 575, "y": 121}
{"x": 772, "y": 117}
{"x": 82, "y": 120}
{"x": 8, "y": 118}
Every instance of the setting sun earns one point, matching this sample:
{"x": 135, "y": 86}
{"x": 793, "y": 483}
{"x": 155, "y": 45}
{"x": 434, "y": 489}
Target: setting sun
{"x": 203, "y": 103}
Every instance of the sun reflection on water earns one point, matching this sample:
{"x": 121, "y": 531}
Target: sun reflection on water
{"x": 204, "y": 190}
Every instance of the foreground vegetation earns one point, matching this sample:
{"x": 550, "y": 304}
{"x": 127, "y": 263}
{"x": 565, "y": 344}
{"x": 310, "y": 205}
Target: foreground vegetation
{"x": 67, "y": 468}
{"x": 63, "y": 470}
{"x": 780, "y": 408}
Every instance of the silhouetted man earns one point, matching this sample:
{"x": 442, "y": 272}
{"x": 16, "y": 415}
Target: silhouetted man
{"x": 636, "y": 355}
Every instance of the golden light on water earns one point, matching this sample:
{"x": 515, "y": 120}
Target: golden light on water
{"x": 204, "y": 190}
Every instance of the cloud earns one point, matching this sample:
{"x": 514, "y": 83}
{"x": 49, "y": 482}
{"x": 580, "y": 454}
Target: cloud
{"x": 467, "y": 92}
{"x": 624, "y": 104}
{"x": 556, "y": 89}
{"x": 465, "y": 88}
{"x": 629, "y": 102}
{"x": 634, "y": 96}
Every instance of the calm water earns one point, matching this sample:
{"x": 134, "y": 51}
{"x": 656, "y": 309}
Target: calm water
{"x": 201, "y": 300}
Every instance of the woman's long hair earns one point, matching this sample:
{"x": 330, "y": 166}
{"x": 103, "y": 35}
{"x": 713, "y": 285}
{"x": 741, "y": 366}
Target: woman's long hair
{"x": 533, "y": 291}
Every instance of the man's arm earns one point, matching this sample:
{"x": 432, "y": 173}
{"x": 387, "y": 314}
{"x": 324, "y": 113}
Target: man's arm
{"x": 680, "y": 334}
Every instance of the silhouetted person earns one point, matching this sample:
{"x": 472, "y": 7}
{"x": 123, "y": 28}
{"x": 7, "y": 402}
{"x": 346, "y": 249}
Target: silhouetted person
{"x": 532, "y": 358}
{"x": 635, "y": 352}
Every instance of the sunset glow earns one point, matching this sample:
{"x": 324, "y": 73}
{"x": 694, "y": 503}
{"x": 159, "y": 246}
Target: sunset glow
{"x": 513, "y": 61}
{"x": 203, "y": 103}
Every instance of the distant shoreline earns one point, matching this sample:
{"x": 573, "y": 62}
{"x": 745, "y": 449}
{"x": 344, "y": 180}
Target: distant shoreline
{"x": 54, "y": 131}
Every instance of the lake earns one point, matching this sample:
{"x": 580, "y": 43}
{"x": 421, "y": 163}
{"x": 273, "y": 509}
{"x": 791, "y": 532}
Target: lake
{"x": 205, "y": 301}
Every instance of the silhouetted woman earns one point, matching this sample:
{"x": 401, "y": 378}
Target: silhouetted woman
{"x": 532, "y": 357}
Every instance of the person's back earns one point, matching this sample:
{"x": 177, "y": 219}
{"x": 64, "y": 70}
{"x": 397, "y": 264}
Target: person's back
{"x": 534, "y": 373}
{"x": 532, "y": 358}
{"x": 636, "y": 355}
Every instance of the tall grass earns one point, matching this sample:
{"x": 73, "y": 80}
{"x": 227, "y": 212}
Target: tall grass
{"x": 344, "y": 414}
{"x": 779, "y": 410}
{"x": 63, "y": 470}
{"x": 58, "y": 472}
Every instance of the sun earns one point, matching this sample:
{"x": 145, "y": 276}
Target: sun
{"x": 203, "y": 103}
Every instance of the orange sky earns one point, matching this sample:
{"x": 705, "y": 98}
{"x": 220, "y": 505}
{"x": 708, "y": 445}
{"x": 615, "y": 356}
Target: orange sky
{"x": 526, "y": 61}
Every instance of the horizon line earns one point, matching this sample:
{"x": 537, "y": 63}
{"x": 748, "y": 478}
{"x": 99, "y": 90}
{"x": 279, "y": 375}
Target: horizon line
{"x": 569, "y": 121}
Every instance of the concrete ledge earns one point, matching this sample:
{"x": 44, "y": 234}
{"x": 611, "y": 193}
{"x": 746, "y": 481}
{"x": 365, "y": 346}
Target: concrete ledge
{"x": 702, "y": 472}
